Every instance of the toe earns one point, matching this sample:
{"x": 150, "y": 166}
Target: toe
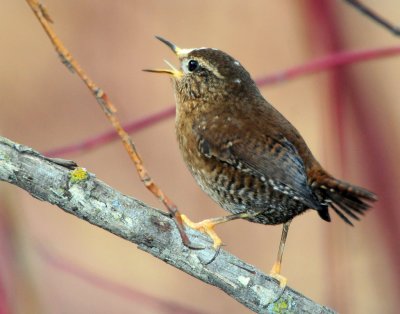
{"x": 281, "y": 279}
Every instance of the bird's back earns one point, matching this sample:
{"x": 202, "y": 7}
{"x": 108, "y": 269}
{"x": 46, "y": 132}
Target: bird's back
{"x": 247, "y": 157}
{"x": 244, "y": 153}
{"x": 243, "y": 160}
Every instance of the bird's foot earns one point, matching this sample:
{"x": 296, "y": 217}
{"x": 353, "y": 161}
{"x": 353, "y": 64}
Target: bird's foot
{"x": 276, "y": 274}
{"x": 206, "y": 226}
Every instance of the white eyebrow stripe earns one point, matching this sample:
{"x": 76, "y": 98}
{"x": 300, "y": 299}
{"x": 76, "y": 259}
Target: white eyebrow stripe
{"x": 210, "y": 68}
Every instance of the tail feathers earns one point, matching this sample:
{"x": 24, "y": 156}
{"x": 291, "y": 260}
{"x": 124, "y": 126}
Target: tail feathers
{"x": 348, "y": 201}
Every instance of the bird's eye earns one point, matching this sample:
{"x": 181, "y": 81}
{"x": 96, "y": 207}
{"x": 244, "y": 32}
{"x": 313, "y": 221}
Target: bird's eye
{"x": 192, "y": 65}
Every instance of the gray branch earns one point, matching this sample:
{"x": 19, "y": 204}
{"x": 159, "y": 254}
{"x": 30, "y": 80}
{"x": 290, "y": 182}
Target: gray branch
{"x": 81, "y": 194}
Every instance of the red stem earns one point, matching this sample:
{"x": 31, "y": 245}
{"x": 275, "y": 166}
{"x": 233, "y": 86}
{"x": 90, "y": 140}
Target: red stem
{"x": 332, "y": 60}
{"x": 110, "y": 286}
{"x": 7, "y": 262}
{"x": 3, "y": 299}
{"x": 374, "y": 153}
{"x": 111, "y": 135}
{"x": 324, "y": 38}
{"x": 319, "y": 64}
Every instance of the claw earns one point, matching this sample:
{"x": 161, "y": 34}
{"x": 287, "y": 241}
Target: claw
{"x": 207, "y": 227}
{"x": 192, "y": 246}
{"x": 217, "y": 251}
{"x": 181, "y": 228}
{"x": 281, "y": 279}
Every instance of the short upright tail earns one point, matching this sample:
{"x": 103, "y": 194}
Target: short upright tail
{"x": 348, "y": 201}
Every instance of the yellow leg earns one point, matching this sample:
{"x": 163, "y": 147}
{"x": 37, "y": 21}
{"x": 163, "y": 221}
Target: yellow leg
{"x": 207, "y": 226}
{"x": 276, "y": 269}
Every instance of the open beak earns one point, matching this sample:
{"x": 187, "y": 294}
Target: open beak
{"x": 172, "y": 46}
{"x": 172, "y": 71}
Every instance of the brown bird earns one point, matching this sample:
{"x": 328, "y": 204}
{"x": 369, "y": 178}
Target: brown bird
{"x": 244, "y": 154}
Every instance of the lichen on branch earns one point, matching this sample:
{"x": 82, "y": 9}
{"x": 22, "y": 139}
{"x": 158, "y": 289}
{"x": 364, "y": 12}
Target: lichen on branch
{"x": 152, "y": 230}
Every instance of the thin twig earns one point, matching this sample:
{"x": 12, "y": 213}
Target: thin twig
{"x": 110, "y": 111}
{"x": 110, "y": 135}
{"x": 395, "y": 30}
{"x": 81, "y": 194}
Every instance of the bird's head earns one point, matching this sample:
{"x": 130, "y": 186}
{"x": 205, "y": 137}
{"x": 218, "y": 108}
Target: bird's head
{"x": 206, "y": 74}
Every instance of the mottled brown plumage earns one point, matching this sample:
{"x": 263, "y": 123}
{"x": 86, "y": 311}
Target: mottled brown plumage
{"x": 244, "y": 154}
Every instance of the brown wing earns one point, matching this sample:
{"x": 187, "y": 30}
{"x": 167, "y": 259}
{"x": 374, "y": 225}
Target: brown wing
{"x": 272, "y": 158}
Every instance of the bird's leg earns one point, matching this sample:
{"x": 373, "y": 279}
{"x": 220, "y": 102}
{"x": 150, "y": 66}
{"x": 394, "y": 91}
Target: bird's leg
{"x": 276, "y": 269}
{"x": 207, "y": 226}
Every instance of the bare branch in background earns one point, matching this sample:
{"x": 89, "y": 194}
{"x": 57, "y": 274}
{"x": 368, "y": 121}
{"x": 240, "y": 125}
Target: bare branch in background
{"x": 319, "y": 64}
{"x": 110, "y": 111}
{"x": 394, "y": 29}
{"x": 81, "y": 194}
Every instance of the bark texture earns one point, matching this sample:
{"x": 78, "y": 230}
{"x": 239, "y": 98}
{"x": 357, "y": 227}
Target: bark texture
{"x": 81, "y": 194}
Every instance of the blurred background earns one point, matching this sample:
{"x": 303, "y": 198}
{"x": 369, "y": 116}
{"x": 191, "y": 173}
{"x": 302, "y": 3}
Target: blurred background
{"x": 52, "y": 262}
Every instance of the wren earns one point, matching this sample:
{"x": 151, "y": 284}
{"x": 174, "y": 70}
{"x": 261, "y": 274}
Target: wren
{"x": 244, "y": 154}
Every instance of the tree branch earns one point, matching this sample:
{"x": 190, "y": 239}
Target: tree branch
{"x": 110, "y": 111}
{"x": 80, "y": 193}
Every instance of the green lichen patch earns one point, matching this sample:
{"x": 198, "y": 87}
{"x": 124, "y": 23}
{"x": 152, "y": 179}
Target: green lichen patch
{"x": 78, "y": 175}
{"x": 281, "y": 306}
{"x": 4, "y": 157}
